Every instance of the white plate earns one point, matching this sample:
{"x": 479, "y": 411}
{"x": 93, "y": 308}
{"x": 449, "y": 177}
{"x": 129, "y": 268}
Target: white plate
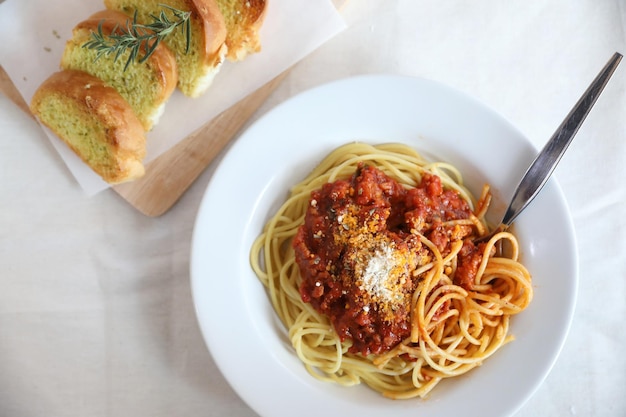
{"x": 241, "y": 330}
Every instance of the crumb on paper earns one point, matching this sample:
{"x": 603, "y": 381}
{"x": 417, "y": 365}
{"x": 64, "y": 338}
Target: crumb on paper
{"x": 47, "y": 49}
{"x": 56, "y": 34}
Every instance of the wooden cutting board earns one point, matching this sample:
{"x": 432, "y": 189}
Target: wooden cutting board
{"x": 171, "y": 174}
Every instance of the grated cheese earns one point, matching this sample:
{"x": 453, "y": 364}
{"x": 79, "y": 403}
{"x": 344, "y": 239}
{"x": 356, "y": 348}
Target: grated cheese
{"x": 377, "y": 278}
{"x": 381, "y": 269}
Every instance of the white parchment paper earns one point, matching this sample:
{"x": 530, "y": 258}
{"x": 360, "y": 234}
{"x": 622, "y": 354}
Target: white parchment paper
{"x": 291, "y": 30}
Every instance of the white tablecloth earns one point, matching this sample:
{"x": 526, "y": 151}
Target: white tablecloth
{"x": 96, "y": 314}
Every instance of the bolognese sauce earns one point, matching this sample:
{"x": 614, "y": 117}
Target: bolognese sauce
{"x": 359, "y": 251}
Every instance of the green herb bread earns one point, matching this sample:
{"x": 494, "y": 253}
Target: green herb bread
{"x": 243, "y": 21}
{"x": 95, "y": 121}
{"x": 198, "y": 66}
{"x": 145, "y": 85}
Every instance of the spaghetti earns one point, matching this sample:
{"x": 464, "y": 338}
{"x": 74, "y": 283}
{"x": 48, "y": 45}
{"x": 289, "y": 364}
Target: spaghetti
{"x": 371, "y": 266}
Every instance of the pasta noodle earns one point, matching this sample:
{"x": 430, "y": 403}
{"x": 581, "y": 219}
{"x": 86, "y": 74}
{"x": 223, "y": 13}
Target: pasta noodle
{"x": 452, "y": 328}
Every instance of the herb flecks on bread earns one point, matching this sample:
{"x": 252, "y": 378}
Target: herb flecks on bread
{"x": 138, "y": 39}
{"x": 198, "y": 64}
{"x": 146, "y": 82}
{"x": 95, "y": 121}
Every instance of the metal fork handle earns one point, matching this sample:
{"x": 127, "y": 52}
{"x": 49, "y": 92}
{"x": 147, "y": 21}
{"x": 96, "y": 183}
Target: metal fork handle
{"x": 546, "y": 161}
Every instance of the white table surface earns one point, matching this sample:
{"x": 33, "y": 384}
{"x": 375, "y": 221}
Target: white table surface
{"x": 96, "y": 315}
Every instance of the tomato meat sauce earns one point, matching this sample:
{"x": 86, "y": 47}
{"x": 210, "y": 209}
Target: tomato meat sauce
{"x": 359, "y": 248}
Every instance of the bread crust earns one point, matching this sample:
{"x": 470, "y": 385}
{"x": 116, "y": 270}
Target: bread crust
{"x": 124, "y": 135}
{"x": 214, "y": 26}
{"x": 207, "y": 12}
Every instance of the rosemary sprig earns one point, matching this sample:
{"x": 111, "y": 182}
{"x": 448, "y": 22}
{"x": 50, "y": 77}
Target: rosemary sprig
{"x": 137, "y": 37}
